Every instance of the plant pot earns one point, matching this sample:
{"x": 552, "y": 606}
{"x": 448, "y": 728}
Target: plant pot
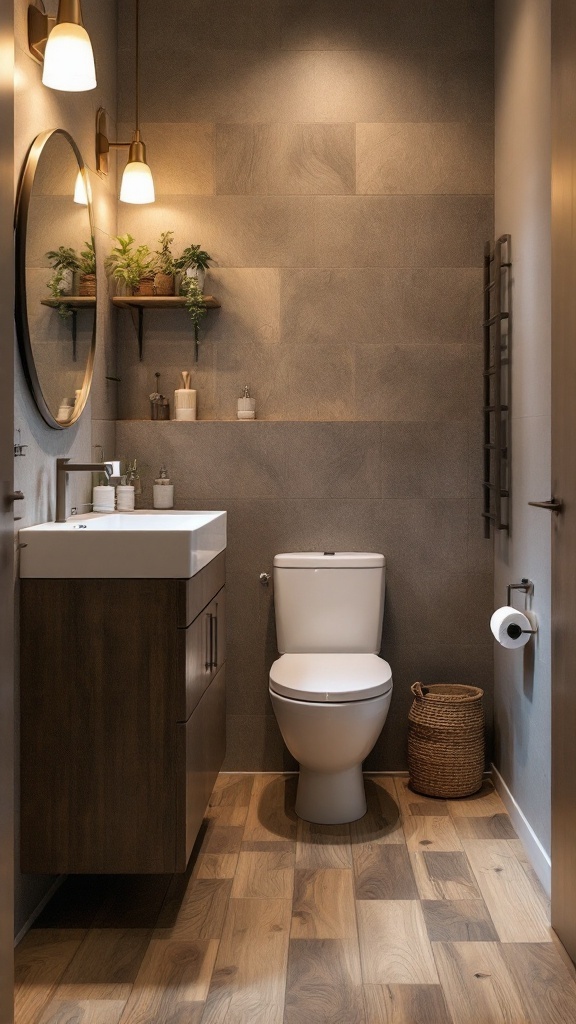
{"x": 67, "y": 283}
{"x": 199, "y": 273}
{"x": 145, "y": 286}
{"x": 164, "y": 284}
{"x": 87, "y": 284}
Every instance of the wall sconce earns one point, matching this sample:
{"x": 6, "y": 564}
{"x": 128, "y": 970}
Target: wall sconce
{"x": 81, "y": 187}
{"x": 137, "y": 183}
{"x": 63, "y": 45}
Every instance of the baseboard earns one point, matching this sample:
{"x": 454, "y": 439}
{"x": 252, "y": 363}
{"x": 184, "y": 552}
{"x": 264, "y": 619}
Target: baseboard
{"x": 36, "y": 913}
{"x": 536, "y": 853}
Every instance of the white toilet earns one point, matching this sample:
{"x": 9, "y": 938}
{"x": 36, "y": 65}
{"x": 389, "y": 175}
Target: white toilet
{"x": 329, "y": 689}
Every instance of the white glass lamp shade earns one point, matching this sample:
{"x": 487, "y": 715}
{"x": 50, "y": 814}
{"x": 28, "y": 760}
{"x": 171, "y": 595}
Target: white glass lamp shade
{"x": 69, "y": 60}
{"x": 80, "y": 191}
{"x": 137, "y": 183}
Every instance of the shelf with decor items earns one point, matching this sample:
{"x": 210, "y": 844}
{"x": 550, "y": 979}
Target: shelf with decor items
{"x": 138, "y": 303}
{"x": 74, "y": 303}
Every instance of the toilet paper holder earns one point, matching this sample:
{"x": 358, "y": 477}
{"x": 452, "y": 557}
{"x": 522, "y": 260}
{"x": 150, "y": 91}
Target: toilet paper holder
{"x": 527, "y": 587}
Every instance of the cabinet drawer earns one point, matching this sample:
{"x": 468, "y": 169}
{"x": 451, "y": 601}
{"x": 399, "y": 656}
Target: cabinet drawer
{"x": 200, "y": 589}
{"x": 204, "y": 653}
{"x": 201, "y": 744}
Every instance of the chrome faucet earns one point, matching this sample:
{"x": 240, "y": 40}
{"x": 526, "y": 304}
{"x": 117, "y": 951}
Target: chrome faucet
{"x": 63, "y": 467}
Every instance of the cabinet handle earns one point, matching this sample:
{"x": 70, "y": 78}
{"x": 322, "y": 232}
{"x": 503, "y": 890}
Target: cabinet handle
{"x": 215, "y": 655}
{"x": 208, "y": 662}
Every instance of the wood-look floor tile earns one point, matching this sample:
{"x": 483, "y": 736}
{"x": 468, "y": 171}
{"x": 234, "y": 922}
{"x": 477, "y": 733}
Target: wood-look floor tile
{"x": 39, "y": 964}
{"x": 394, "y": 944}
{"x": 458, "y": 921}
{"x": 513, "y": 904}
{"x": 133, "y": 901}
{"x": 444, "y": 876}
{"x": 323, "y": 906}
{"x": 324, "y": 983}
{"x": 65, "y": 1009}
{"x": 547, "y": 989}
{"x": 223, "y": 839}
{"x": 230, "y": 799}
{"x": 217, "y": 865}
{"x": 271, "y": 813}
{"x": 382, "y": 822}
{"x": 427, "y": 832}
{"x": 249, "y": 977}
{"x": 173, "y": 977}
{"x": 483, "y": 803}
{"x": 477, "y": 985}
{"x": 415, "y": 803}
{"x": 522, "y": 858}
{"x": 323, "y": 846}
{"x": 490, "y": 826}
{"x": 107, "y": 963}
{"x": 264, "y": 874}
{"x": 196, "y": 913}
{"x": 406, "y": 1004}
{"x": 383, "y": 872}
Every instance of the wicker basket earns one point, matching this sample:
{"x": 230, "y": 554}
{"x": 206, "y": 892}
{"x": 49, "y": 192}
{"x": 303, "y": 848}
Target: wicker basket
{"x": 446, "y": 740}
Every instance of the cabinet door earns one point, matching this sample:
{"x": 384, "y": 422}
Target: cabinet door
{"x": 218, "y": 648}
{"x": 204, "y": 653}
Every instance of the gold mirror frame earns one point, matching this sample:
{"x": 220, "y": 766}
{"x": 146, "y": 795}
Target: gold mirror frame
{"x": 21, "y": 308}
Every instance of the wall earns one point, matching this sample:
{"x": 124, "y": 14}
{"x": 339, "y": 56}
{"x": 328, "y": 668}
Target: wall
{"x": 336, "y": 161}
{"x": 522, "y": 187}
{"x": 36, "y": 109}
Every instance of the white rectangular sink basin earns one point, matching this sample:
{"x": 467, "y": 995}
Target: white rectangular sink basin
{"x": 123, "y": 545}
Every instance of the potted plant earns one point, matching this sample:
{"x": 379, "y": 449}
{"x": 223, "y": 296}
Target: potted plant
{"x": 194, "y": 302}
{"x": 87, "y": 270}
{"x": 131, "y": 268}
{"x": 193, "y": 263}
{"x": 165, "y": 269}
{"x": 55, "y": 287}
{"x": 65, "y": 264}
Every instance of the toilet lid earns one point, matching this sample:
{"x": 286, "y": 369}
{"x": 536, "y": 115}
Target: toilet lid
{"x": 330, "y": 677}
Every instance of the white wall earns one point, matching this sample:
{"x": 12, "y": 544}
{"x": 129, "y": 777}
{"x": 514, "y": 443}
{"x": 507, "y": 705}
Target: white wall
{"x": 522, "y": 208}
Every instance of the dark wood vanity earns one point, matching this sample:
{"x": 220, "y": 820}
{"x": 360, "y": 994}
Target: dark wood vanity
{"x": 122, "y": 720}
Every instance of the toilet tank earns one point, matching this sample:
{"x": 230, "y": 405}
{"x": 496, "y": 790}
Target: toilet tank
{"x": 329, "y": 602}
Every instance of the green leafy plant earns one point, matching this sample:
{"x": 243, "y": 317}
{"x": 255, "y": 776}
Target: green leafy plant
{"x": 64, "y": 258}
{"x": 165, "y": 263}
{"x": 194, "y": 302}
{"x": 128, "y": 264}
{"x": 87, "y": 259}
{"x": 193, "y": 256}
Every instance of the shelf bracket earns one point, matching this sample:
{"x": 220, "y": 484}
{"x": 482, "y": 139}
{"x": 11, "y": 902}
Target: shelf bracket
{"x": 137, "y": 314}
{"x": 74, "y": 335}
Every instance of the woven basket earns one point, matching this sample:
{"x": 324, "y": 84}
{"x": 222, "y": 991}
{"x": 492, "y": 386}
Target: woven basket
{"x": 446, "y": 740}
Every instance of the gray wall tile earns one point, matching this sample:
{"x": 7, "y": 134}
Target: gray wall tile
{"x": 181, "y": 156}
{"x": 280, "y": 159}
{"x": 412, "y": 382}
{"x": 422, "y": 159}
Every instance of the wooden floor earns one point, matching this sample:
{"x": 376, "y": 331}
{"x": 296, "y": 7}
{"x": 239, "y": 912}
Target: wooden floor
{"x": 423, "y": 912}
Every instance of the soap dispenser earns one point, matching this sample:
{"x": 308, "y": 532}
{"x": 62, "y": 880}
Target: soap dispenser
{"x": 163, "y": 490}
{"x": 246, "y": 406}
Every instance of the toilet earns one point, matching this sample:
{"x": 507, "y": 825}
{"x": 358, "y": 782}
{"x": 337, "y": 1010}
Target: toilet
{"x": 329, "y": 689}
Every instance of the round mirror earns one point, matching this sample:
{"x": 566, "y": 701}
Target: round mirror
{"x": 56, "y": 277}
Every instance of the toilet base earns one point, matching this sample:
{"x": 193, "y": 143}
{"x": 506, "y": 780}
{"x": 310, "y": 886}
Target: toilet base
{"x": 331, "y": 798}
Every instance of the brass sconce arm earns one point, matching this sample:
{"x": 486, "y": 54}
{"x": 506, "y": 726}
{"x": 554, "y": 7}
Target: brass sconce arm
{"x": 41, "y": 24}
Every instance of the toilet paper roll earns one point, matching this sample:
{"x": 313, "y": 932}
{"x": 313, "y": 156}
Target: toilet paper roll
{"x": 507, "y": 625}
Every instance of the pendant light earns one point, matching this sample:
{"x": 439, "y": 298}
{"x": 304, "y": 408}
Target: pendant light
{"x": 137, "y": 184}
{"x": 64, "y": 47}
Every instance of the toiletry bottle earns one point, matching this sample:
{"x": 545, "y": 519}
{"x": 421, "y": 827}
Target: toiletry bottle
{"x": 246, "y": 406}
{"x": 163, "y": 491}
{"x": 185, "y": 400}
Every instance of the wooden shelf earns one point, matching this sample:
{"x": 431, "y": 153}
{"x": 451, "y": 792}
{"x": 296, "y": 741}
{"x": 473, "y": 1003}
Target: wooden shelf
{"x": 74, "y": 301}
{"x": 138, "y": 303}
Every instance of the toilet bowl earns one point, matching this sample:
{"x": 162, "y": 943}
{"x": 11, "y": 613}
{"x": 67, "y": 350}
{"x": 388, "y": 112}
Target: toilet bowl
{"x": 329, "y": 690}
{"x": 330, "y": 709}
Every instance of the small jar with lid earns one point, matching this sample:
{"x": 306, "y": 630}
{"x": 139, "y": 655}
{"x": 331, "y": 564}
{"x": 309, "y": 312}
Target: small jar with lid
{"x": 163, "y": 491}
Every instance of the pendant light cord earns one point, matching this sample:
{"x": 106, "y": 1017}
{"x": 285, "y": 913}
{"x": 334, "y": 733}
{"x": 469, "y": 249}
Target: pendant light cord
{"x": 137, "y": 65}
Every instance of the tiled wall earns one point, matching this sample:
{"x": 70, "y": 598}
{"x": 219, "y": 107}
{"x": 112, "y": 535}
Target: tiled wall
{"x": 336, "y": 161}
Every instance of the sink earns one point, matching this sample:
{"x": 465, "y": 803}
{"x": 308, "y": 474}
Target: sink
{"x": 123, "y": 545}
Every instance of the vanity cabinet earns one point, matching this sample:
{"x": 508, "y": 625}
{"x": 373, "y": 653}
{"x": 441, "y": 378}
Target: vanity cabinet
{"x": 122, "y": 720}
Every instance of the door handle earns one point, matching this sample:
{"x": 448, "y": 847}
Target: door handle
{"x": 15, "y": 496}
{"x": 215, "y": 655}
{"x": 552, "y": 506}
{"x": 208, "y": 662}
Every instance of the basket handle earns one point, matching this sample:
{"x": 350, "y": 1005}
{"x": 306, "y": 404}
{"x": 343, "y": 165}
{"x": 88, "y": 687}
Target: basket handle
{"x": 419, "y": 691}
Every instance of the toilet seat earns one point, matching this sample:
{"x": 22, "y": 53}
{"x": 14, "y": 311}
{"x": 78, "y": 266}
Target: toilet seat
{"x": 330, "y": 677}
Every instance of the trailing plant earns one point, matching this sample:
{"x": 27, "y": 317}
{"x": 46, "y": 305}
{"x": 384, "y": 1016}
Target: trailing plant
{"x": 194, "y": 302}
{"x": 127, "y": 264}
{"x": 193, "y": 256}
{"x": 165, "y": 263}
{"x": 55, "y": 288}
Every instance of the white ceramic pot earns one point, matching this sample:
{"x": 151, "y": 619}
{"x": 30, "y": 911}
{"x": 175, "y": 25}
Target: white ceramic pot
{"x": 199, "y": 273}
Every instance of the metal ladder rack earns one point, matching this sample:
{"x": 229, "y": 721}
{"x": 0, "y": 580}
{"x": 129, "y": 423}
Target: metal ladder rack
{"x": 495, "y": 484}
